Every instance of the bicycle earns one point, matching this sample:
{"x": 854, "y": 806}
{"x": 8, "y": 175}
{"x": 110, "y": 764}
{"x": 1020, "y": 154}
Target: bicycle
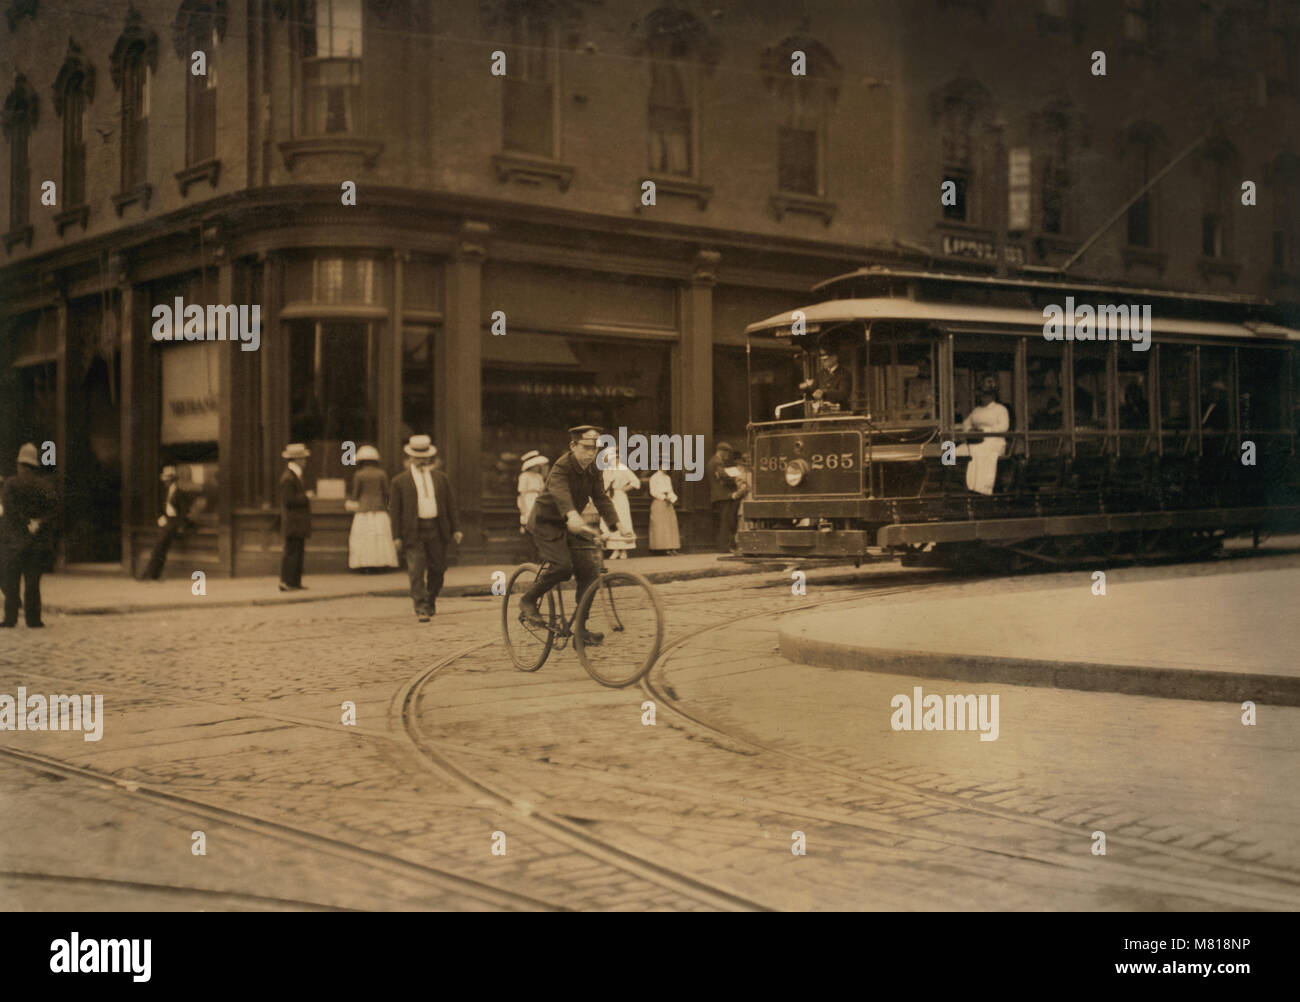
{"x": 621, "y": 605}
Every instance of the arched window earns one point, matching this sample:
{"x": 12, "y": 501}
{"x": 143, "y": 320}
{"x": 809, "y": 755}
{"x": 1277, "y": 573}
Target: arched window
{"x": 19, "y": 120}
{"x": 1142, "y": 145}
{"x": 199, "y": 27}
{"x": 134, "y": 58}
{"x": 529, "y": 112}
{"x": 679, "y": 46}
{"x": 805, "y": 104}
{"x": 964, "y": 116}
{"x": 329, "y": 41}
{"x": 1218, "y": 186}
{"x": 74, "y": 89}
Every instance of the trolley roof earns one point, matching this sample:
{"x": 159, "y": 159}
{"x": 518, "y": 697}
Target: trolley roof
{"x": 992, "y": 318}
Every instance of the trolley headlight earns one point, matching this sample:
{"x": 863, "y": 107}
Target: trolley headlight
{"x": 795, "y": 471}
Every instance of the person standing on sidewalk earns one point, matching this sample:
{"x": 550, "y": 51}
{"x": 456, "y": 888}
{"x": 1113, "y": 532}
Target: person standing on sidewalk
{"x": 295, "y": 517}
{"x": 725, "y": 495}
{"x": 423, "y": 513}
{"x": 663, "y": 515}
{"x": 370, "y": 542}
{"x": 618, "y": 480}
{"x": 26, "y": 537}
{"x": 174, "y": 521}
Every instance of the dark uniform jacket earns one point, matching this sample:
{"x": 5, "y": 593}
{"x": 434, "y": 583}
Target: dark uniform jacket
{"x": 568, "y": 488}
{"x": 295, "y": 506}
{"x": 721, "y": 486}
{"x": 404, "y": 507}
{"x": 27, "y": 495}
{"x": 836, "y": 386}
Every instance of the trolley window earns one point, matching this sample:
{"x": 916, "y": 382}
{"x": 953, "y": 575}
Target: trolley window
{"x": 1216, "y": 383}
{"x": 1091, "y": 386}
{"x": 1262, "y": 373}
{"x": 974, "y": 359}
{"x": 1175, "y": 387}
{"x": 1044, "y": 377}
{"x": 900, "y": 374}
{"x": 1134, "y": 393}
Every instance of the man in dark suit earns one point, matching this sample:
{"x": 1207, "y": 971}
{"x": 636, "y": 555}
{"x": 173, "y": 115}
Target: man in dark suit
{"x": 556, "y": 524}
{"x": 174, "y": 521}
{"x": 833, "y": 384}
{"x": 725, "y": 495}
{"x": 27, "y": 537}
{"x": 295, "y": 517}
{"x": 423, "y": 513}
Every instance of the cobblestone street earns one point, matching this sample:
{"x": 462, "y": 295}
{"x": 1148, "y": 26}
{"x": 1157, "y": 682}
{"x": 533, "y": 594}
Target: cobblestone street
{"x": 466, "y": 785}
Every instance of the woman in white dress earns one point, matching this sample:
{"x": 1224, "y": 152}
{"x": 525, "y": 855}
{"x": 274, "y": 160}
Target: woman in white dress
{"x": 663, "y": 514}
{"x": 618, "y": 481}
{"x": 370, "y": 544}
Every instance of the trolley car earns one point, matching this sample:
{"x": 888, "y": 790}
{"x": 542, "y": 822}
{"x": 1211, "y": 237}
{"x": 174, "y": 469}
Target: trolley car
{"x": 1110, "y": 449}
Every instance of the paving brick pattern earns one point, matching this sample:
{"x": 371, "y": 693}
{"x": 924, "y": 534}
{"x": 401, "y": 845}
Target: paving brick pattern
{"x": 241, "y": 708}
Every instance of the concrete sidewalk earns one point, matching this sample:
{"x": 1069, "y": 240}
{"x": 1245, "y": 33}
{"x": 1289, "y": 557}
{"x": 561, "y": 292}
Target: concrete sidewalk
{"x": 99, "y": 594}
{"x": 1231, "y": 637}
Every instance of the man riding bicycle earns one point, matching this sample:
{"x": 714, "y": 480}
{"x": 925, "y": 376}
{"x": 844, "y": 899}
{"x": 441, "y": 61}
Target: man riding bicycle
{"x": 564, "y": 541}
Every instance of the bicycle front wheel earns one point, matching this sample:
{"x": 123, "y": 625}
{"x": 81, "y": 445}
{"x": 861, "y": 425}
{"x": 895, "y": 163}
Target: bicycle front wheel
{"x": 623, "y": 612}
{"x": 527, "y": 645}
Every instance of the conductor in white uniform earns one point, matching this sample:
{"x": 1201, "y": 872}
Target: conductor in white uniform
{"x": 989, "y": 416}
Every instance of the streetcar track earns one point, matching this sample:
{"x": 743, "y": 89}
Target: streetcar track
{"x": 556, "y": 825}
{"x": 951, "y": 802}
{"x": 444, "y": 880}
{"x": 140, "y": 886}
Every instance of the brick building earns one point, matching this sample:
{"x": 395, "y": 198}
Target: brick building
{"x": 517, "y": 197}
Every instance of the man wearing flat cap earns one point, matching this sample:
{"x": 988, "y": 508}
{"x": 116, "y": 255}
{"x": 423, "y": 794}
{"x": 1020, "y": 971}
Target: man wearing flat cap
{"x": 174, "y": 521}
{"x": 26, "y": 537}
{"x": 557, "y": 526}
{"x": 423, "y": 513}
{"x": 295, "y": 517}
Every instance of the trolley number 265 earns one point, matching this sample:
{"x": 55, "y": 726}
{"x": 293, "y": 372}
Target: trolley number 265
{"x": 817, "y": 461}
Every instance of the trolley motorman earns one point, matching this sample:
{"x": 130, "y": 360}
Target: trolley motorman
{"x": 563, "y": 538}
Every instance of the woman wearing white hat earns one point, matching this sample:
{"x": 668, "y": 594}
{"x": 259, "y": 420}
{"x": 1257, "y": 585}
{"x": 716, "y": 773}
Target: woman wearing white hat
{"x": 370, "y": 543}
{"x": 532, "y": 481}
{"x": 618, "y": 480}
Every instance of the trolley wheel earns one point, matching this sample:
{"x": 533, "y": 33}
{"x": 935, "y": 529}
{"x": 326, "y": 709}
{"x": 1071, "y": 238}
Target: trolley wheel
{"x": 527, "y": 645}
{"x": 625, "y": 608}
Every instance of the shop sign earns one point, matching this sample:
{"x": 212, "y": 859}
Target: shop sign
{"x": 189, "y": 394}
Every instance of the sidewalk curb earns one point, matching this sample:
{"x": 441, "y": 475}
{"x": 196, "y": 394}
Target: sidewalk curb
{"x": 1128, "y": 680}
{"x": 392, "y": 591}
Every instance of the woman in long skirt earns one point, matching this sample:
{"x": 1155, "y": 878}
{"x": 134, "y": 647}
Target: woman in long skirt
{"x": 663, "y": 514}
{"x": 618, "y": 481}
{"x": 370, "y": 543}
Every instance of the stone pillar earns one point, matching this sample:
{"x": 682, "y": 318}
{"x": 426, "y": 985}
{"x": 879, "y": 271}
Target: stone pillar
{"x": 390, "y": 376}
{"x": 458, "y": 378}
{"x": 131, "y": 354}
{"x": 695, "y": 377}
{"x": 229, "y": 415}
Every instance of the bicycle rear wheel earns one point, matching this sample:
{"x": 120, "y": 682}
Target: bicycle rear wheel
{"x": 527, "y": 645}
{"x": 624, "y": 608}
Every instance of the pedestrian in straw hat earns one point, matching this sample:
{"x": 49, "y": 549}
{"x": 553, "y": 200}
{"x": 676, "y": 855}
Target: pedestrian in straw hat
{"x": 423, "y": 512}
{"x": 533, "y": 469}
{"x": 370, "y": 543}
{"x": 26, "y": 537}
{"x": 295, "y": 517}
{"x": 174, "y": 522}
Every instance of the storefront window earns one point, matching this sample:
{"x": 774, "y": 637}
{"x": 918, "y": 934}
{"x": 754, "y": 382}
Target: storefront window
{"x": 535, "y": 387}
{"x": 332, "y": 390}
{"x": 417, "y": 380}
